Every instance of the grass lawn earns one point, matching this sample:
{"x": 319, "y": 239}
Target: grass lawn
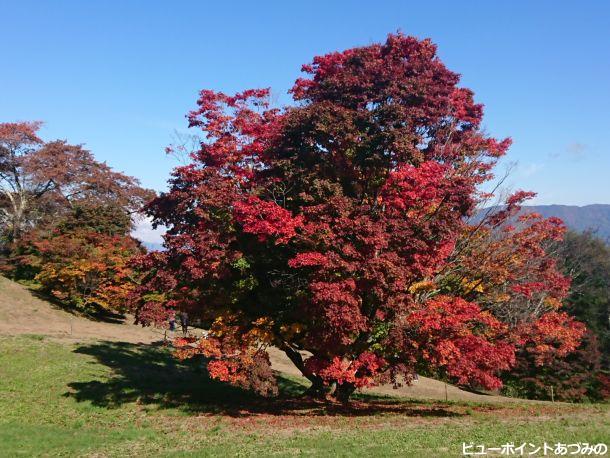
{"x": 118, "y": 399}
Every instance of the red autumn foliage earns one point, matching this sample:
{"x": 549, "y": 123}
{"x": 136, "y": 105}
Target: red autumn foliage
{"x": 360, "y": 372}
{"x": 233, "y": 357}
{"x": 335, "y": 229}
{"x": 506, "y": 263}
{"x": 469, "y": 343}
{"x": 265, "y": 219}
{"x": 554, "y": 335}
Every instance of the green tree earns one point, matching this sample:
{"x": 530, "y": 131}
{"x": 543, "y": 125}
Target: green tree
{"x": 586, "y": 259}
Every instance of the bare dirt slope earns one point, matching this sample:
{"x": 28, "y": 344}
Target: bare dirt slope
{"x": 21, "y": 312}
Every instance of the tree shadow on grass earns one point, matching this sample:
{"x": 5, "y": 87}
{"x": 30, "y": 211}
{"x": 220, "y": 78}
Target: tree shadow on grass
{"x": 151, "y": 375}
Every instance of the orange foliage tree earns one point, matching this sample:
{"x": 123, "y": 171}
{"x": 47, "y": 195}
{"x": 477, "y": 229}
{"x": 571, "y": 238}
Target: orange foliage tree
{"x": 86, "y": 269}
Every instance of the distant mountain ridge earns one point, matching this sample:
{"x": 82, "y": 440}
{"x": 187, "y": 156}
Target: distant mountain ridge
{"x": 595, "y": 217}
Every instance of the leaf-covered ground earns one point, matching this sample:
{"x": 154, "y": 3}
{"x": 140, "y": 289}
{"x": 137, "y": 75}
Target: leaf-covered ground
{"x": 123, "y": 399}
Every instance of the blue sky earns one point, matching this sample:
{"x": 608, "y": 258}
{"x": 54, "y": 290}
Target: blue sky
{"x": 119, "y": 76}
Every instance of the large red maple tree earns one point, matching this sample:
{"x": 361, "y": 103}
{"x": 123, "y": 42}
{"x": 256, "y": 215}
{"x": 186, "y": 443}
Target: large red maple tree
{"x": 327, "y": 228}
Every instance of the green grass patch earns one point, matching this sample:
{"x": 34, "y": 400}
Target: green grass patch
{"x": 118, "y": 399}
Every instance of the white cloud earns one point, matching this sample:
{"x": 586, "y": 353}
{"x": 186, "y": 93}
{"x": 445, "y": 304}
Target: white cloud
{"x": 144, "y": 232}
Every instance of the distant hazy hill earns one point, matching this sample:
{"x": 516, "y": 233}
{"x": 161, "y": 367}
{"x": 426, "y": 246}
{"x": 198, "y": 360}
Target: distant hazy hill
{"x": 594, "y": 217}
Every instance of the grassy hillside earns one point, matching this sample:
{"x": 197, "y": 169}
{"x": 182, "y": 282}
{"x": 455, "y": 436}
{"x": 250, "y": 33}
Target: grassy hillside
{"x": 122, "y": 399}
{"x": 22, "y": 312}
{"x": 95, "y": 388}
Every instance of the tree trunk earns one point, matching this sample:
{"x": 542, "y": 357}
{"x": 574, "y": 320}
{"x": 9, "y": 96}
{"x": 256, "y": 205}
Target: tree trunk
{"x": 344, "y": 391}
{"x": 318, "y": 390}
{"x": 19, "y": 204}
